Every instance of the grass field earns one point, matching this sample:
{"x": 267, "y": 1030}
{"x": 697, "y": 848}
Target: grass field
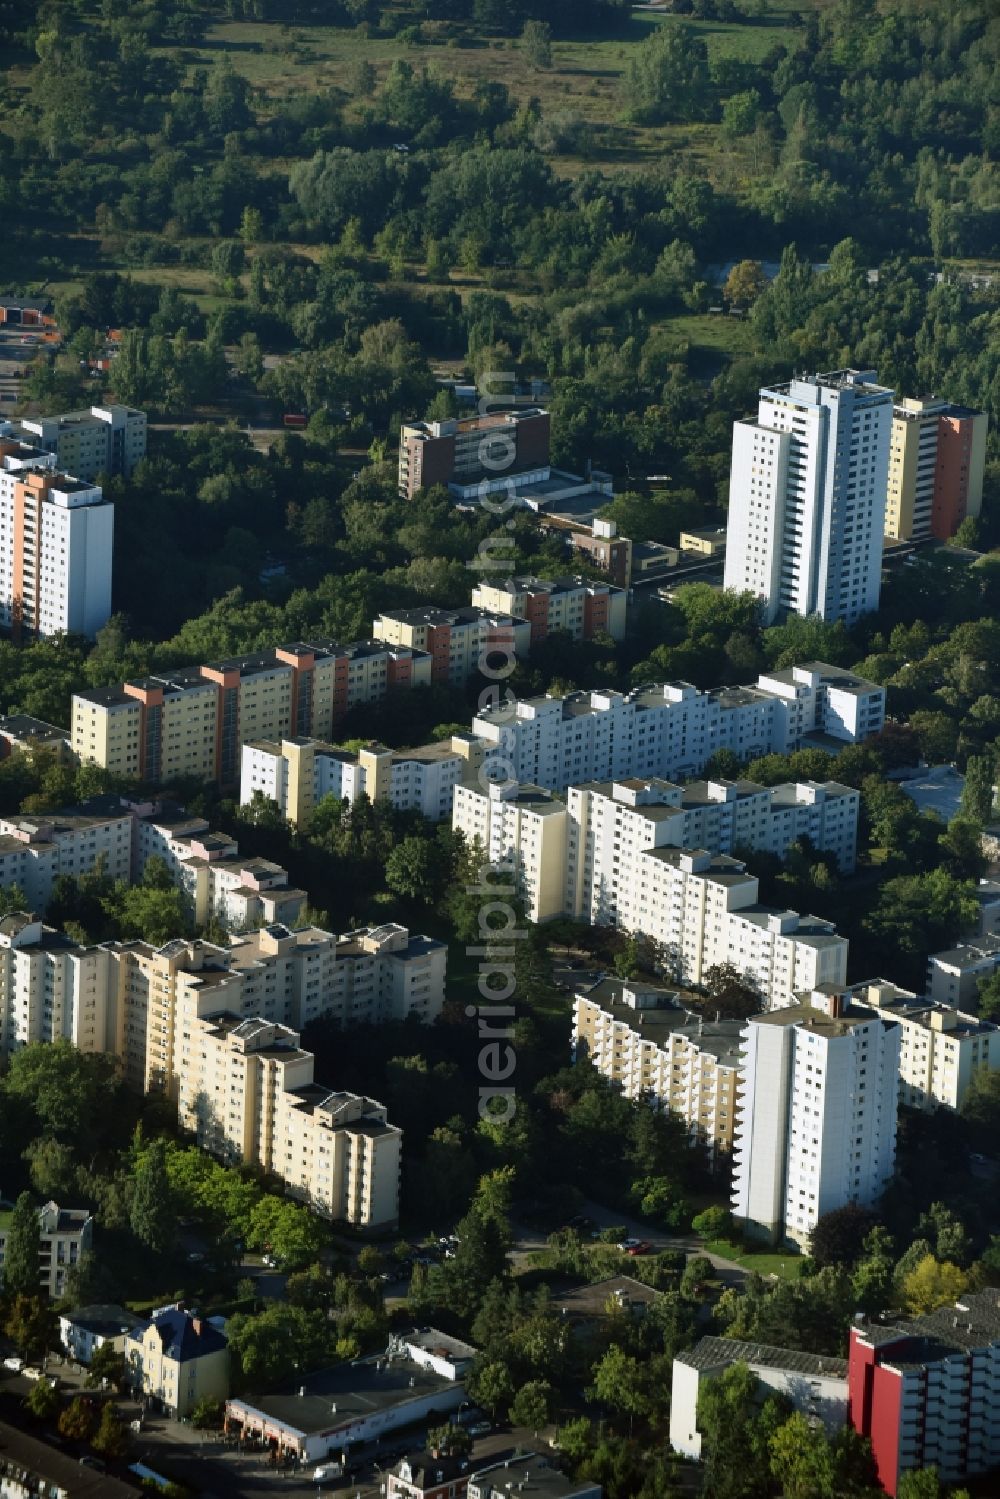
{"x": 786, "y": 1266}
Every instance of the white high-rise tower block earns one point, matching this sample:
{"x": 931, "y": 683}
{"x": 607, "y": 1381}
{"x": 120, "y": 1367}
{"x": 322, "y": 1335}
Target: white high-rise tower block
{"x": 807, "y": 496}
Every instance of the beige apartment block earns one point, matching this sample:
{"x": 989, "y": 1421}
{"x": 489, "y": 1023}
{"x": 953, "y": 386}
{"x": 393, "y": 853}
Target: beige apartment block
{"x": 520, "y": 828}
{"x": 296, "y": 774}
{"x": 579, "y": 606}
{"x": 644, "y": 1040}
{"x": 941, "y": 1049}
{"x": 193, "y": 721}
{"x": 458, "y": 641}
{"x": 247, "y": 1093}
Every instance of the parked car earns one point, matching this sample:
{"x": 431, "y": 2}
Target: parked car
{"x": 14, "y": 1364}
{"x": 640, "y": 1248}
{"x": 480, "y": 1429}
{"x": 628, "y": 1244}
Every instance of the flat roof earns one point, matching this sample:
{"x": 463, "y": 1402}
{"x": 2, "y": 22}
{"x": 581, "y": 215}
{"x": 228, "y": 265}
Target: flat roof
{"x": 665, "y": 1017}
{"x": 348, "y": 1393}
{"x": 710, "y": 1353}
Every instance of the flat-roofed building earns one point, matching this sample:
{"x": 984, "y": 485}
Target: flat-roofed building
{"x": 528, "y": 1473}
{"x": 941, "y": 1049}
{"x": 579, "y": 606}
{"x": 296, "y": 774}
{"x": 53, "y": 989}
{"x": 329, "y": 1412}
{"x": 815, "y": 1384}
{"x": 194, "y": 720}
{"x": 672, "y": 729}
{"x": 97, "y": 440}
{"x": 643, "y": 1039}
{"x": 22, "y": 732}
{"x": 954, "y": 976}
{"x": 245, "y": 1090}
{"x": 56, "y": 540}
{"x": 816, "y": 1129}
{"x": 474, "y": 454}
{"x": 458, "y": 641}
{"x": 37, "y": 850}
{"x": 524, "y": 829}
{"x": 924, "y": 1391}
{"x": 936, "y": 464}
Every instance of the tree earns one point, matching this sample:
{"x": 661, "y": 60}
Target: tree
{"x": 839, "y": 1235}
{"x": 414, "y": 869}
{"x": 978, "y": 791}
{"x": 536, "y": 38}
{"x": 79, "y": 1420}
{"x": 492, "y": 1385}
{"x": 24, "y": 1241}
{"x": 744, "y": 283}
{"x": 713, "y": 1223}
{"x": 31, "y": 1325}
{"x": 736, "y": 1432}
{"x": 106, "y": 1363}
{"x": 989, "y": 997}
{"x": 617, "y": 1382}
{"x": 111, "y": 1437}
{"x": 153, "y": 1217}
{"x": 43, "y": 1400}
{"x": 801, "y": 1460}
{"x": 294, "y": 1235}
{"x": 668, "y": 79}
{"x": 530, "y": 1406}
{"x": 931, "y": 1284}
{"x": 453, "y": 1441}
{"x": 920, "y": 1483}
{"x": 730, "y": 993}
{"x": 276, "y": 1343}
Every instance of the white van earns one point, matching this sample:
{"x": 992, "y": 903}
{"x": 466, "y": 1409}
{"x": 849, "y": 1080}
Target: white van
{"x": 328, "y": 1472}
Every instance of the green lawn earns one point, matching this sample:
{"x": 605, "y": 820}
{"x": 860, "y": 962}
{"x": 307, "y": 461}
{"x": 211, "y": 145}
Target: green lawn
{"x": 787, "y": 1266}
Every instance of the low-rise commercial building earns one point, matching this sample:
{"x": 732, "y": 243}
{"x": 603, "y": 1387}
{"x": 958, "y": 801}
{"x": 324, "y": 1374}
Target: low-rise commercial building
{"x": 178, "y": 1359}
{"x": 65, "y": 1234}
{"x": 644, "y": 1040}
{"x": 458, "y": 641}
{"x": 819, "y": 1084}
{"x": 941, "y": 1049}
{"x": 815, "y": 1384}
{"x": 580, "y": 607}
{"x": 326, "y": 1414}
{"x": 925, "y": 1391}
{"x": 193, "y": 721}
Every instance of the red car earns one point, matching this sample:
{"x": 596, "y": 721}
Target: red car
{"x": 641, "y": 1248}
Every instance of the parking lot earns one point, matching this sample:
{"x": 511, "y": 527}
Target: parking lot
{"x": 18, "y": 346}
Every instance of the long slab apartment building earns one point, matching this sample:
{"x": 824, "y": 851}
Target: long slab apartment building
{"x": 672, "y": 729}
{"x": 193, "y": 721}
{"x": 124, "y": 997}
{"x": 200, "y": 1024}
